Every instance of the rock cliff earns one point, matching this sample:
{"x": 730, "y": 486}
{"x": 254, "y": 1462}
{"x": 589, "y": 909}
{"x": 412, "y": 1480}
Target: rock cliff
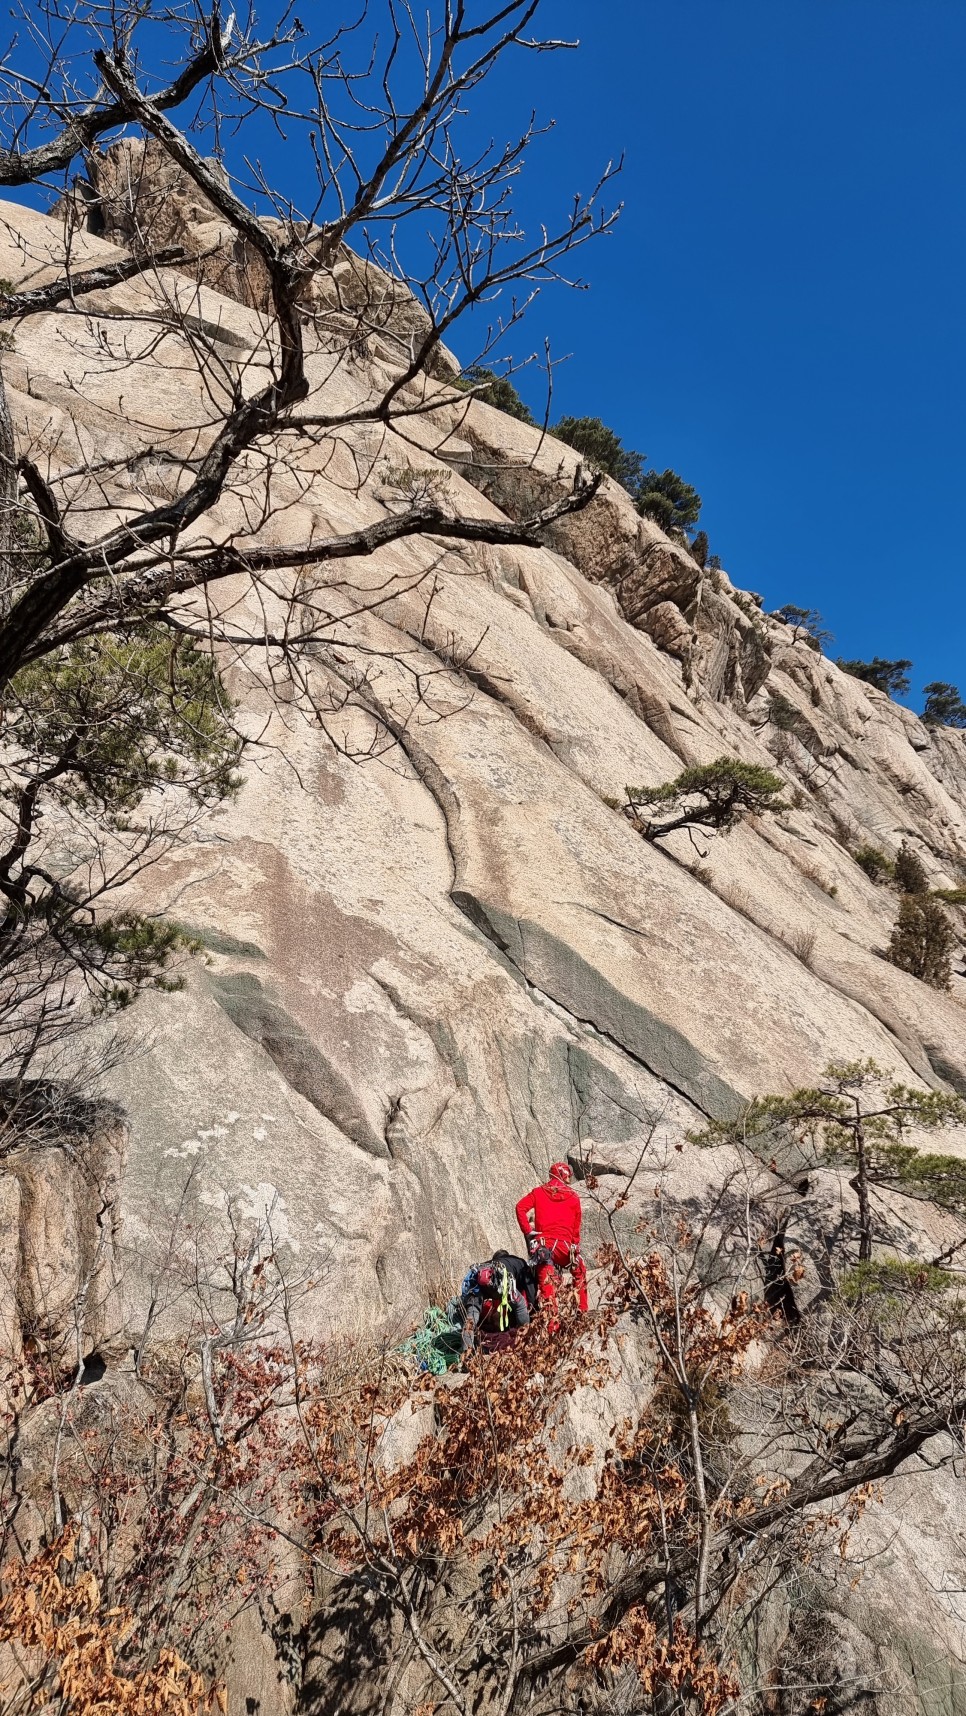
{"x": 434, "y": 956}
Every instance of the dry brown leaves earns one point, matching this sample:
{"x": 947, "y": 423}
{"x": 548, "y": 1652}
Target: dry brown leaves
{"x": 677, "y": 1663}
{"x": 74, "y": 1646}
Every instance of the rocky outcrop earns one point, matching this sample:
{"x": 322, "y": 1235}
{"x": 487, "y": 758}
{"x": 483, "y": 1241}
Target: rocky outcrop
{"x": 60, "y": 1265}
{"x": 717, "y": 634}
{"x": 403, "y": 959}
{"x": 136, "y": 197}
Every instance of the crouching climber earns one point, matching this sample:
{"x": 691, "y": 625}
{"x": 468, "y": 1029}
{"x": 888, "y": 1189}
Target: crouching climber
{"x": 492, "y": 1306}
{"x": 549, "y": 1219}
{"x": 524, "y": 1276}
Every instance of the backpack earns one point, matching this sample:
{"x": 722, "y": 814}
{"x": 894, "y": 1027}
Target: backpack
{"x": 523, "y": 1273}
{"x": 495, "y": 1287}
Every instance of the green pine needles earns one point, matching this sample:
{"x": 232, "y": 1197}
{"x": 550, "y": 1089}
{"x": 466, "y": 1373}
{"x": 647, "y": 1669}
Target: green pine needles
{"x": 857, "y": 1119}
{"x": 922, "y": 940}
{"x": 712, "y": 797}
{"x": 114, "y": 746}
{"x": 109, "y": 719}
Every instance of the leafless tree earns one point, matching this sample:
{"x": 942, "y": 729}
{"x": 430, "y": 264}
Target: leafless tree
{"x": 186, "y": 517}
{"x": 373, "y": 123}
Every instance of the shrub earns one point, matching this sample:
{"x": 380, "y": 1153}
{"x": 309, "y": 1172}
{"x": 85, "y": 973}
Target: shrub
{"x": 892, "y": 677}
{"x": 801, "y": 942}
{"x": 943, "y": 707}
{"x": 875, "y": 863}
{"x": 740, "y": 901}
{"x": 495, "y": 390}
{"x": 669, "y": 501}
{"x": 893, "y": 1277}
{"x": 713, "y": 796}
{"x": 922, "y": 940}
{"x": 700, "y": 547}
{"x": 950, "y": 896}
{"x": 601, "y": 447}
{"x": 61, "y": 1627}
{"x": 812, "y": 873}
{"x": 909, "y": 872}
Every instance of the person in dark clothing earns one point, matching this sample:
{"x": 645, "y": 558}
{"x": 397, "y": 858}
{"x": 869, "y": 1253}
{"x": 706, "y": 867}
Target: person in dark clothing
{"x": 778, "y": 1289}
{"x": 492, "y": 1307}
{"x": 524, "y": 1275}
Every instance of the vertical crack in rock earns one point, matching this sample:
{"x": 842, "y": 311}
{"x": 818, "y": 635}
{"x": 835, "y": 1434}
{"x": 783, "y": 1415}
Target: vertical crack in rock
{"x": 579, "y": 991}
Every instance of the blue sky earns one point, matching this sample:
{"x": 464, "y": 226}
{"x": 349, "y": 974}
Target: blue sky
{"x": 779, "y": 315}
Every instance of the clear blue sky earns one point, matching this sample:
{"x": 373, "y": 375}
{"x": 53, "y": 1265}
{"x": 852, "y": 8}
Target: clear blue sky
{"x": 780, "y": 314}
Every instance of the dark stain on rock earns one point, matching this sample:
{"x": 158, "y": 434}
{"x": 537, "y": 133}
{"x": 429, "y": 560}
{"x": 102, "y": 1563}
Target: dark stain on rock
{"x": 256, "y": 1012}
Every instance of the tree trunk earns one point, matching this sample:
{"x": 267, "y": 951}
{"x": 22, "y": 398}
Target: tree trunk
{"x": 861, "y": 1185}
{"x": 8, "y": 501}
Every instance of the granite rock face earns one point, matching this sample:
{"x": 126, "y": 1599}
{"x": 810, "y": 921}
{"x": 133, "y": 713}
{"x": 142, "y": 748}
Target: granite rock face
{"x": 434, "y": 958}
{"x": 407, "y": 958}
{"x": 136, "y": 197}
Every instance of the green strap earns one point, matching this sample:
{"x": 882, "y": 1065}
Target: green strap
{"x": 505, "y": 1301}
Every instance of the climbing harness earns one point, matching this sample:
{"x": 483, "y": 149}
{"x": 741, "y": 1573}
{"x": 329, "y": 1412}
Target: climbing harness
{"x": 503, "y": 1307}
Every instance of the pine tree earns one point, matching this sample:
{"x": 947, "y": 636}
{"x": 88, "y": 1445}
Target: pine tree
{"x": 892, "y": 677}
{"x": 922, "y": 940}
{"x": 602, "y": 448}
{"x": 943, "y": 707}
{"x": 669, "y": 501}
{"x": 711, "y": 796}
{"x": 909, "y": 873}
{"x": 804, "y": 620}
{"x": 496, "y": 390}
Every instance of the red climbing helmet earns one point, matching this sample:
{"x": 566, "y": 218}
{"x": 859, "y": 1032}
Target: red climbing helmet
{"x": 561, "y": 1171}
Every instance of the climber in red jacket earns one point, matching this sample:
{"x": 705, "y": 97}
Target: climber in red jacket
{"x": 549, "y": 1219}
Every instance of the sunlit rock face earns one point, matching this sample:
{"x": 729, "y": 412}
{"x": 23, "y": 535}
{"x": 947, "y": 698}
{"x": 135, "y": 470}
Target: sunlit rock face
{"x": 434, "y": 957}
{"x": 430, "y": 970}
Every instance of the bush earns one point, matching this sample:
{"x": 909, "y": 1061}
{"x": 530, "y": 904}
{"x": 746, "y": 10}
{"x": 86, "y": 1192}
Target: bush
{"x": 892, "y": 677}
{"x": 495, "y": 390}
{"x": 713, "y": 796}
{"x": 876, "y": 865}
{"x": 909, "y": 872}
{"x": 922, "y": 940}
{"x": 807, "y": 620}
{"x": 890, "y": 1280}
{"x": 944, "y": 707}
{"x": 700, "y": 549}
{"x": 601, "y": 447}
{"x": 801, "y": 942}
{"x": 669, "y": 501}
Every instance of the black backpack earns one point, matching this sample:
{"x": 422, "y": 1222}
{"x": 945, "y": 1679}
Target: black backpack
{"x": 523, "y": 1274}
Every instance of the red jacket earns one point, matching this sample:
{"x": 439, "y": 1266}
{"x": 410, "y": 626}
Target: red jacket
{"x": 555, "y": 1212}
